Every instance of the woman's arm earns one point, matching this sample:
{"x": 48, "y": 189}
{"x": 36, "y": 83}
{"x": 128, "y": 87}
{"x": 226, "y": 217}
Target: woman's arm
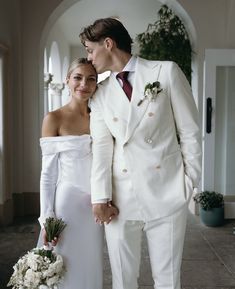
{"x": 49, "y": 172}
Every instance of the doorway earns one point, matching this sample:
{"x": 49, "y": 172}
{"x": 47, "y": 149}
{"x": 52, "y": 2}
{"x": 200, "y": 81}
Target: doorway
{"x": 219, "y": 122}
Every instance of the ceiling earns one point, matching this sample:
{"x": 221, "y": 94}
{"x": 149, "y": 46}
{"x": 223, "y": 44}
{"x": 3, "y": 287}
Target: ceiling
{"x": 134, "y": 14}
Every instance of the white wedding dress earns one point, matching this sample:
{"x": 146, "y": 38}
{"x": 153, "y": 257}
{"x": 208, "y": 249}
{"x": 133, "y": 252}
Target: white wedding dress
{"x": 65, "y": 193}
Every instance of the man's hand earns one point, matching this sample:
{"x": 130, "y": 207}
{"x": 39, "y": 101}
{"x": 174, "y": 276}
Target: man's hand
{"x": 104, "y": 213}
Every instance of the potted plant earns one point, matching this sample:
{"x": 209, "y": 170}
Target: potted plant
{"x": 211, "y": 208}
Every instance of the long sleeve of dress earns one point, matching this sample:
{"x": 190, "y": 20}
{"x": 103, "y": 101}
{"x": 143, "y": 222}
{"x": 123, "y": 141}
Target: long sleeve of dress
{"x": 48, "y": 181}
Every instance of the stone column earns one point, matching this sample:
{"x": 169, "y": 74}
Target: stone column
{"x": 47, "y": 80}
{"x": 56, "y": 94}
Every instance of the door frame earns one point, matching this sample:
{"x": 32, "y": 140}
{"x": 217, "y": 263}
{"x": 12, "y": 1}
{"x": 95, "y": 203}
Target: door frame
{"x": 213, "y": 59}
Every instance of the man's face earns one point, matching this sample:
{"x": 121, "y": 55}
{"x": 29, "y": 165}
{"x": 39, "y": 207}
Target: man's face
{"x": 99, "y": 54}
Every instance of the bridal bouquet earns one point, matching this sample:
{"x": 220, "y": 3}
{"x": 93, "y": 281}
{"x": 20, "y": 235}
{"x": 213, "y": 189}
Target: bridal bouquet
{"x": 40, "y": 268}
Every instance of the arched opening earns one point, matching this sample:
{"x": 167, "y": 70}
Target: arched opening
{"x": 54, "y": 99}
{"x": 142, "y": 15}
{"x": 65, "y": 92}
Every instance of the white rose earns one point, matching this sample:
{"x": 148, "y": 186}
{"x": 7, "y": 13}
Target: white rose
{"x": 148, "y": 92}
{"x": 55, "y": 268}
{"x": 33, "y": 261}
{"x": 32, "y": 279}
{"x": 53, "y": 280}
{"x": 155, "y": 90}
{"x": 43, "y": 287}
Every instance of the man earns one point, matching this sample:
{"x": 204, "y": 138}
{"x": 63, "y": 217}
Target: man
{"x": 146, "y": 155}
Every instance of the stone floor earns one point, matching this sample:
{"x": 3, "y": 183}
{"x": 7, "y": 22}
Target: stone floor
{"x": 208, "y": 259}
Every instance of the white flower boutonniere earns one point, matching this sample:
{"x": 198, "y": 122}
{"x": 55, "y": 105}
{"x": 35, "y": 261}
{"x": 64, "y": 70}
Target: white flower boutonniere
{"x": 151, "y": 91}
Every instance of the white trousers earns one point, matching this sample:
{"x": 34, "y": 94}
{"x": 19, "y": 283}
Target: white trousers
{"x": 165, "y": 239}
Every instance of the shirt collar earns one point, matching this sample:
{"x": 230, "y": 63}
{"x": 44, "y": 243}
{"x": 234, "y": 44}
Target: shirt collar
{"x": 130, "y": 66}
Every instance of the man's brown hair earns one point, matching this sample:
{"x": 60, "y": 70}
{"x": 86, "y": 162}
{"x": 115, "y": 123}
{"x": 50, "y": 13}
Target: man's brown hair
{"x": 107, "y": 27}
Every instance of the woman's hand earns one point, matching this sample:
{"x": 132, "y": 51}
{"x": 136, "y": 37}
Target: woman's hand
{"x": 45, "y": 240}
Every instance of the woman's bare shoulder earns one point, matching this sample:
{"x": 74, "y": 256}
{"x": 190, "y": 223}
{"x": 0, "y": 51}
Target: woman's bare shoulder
{"x": 51, "y": 123}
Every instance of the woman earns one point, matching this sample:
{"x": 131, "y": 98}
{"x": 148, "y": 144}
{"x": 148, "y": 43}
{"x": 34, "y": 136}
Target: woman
{"x": 65, "y": 181}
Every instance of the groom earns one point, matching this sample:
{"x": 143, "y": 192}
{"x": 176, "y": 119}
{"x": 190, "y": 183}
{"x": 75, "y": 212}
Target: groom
{"x": 146, "y": 155}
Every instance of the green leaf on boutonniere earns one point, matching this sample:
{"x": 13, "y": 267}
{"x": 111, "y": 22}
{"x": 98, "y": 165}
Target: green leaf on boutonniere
{"x": 151, "y": 91}
{"x": 152, "y": 85}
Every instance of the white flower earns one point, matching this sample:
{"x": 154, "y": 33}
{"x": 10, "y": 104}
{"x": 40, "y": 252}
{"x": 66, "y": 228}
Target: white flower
{"x": 33, "y": 261}
{"x": 151, "y": 91}
{"x": 38, "y": 269}
{"x": 58, "y": 265}
{"x": 53, "y": 280}
{"x": 43, "y": 287}
{"x": 32, "y": 278}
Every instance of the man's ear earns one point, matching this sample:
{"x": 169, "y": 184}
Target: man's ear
{"x": 109, "y": 43}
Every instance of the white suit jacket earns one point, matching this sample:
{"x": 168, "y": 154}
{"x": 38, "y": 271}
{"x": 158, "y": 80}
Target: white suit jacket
{"x": 147, "y": 157}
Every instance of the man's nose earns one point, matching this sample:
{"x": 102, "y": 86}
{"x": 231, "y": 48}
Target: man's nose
{"x": 89, "y": 57}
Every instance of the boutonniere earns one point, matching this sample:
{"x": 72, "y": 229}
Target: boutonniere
{"x": 151, "y": 91}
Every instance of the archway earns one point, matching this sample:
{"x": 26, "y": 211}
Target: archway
{"x": 67, "y": 4}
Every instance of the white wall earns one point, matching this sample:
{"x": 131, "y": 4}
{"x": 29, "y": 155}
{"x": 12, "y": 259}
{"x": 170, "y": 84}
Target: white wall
{"x": 77, "y": 51}
{"x": 34, "y": 16}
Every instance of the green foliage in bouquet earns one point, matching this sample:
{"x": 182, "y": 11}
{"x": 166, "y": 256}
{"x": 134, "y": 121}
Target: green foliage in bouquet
{"x": 167, "y": 39}
{"x": 209, "y": 200}
{"x": 45, "y": 253}
{"x": 53, "y": 228}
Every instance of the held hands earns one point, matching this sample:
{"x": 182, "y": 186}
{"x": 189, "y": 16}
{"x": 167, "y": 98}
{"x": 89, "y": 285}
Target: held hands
{"x": 104, "y": 213}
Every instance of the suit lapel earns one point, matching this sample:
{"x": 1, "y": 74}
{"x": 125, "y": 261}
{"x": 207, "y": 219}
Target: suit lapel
{"x": 116, "y": 106}
{"x": 145, "y": 72}
{"x": 117, "y": 98}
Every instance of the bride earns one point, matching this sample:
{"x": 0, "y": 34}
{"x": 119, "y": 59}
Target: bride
{"x": 65, "y": 182}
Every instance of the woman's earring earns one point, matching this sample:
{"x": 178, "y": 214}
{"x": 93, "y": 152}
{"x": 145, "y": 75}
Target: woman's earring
{"x": 69, "y": 90}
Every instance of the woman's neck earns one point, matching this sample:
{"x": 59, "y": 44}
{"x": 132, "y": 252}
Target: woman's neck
{"x": 80, "y": 107}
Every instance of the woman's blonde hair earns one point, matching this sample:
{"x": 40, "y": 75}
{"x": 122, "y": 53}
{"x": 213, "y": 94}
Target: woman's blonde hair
{"x": 76, "y": 63}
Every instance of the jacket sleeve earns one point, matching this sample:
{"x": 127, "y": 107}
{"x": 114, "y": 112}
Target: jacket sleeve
{"x": 102, "y": 149}
{"x": 187, "y": 123}
{"x": 48, "y": 181}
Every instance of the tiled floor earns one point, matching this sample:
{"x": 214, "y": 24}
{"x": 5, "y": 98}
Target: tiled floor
{"x": 208, "y": 260}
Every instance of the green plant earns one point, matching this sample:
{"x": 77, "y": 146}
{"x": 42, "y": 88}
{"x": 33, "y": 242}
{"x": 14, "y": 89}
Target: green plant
{"x": 167, "y": 39}
{"x": 209, "y": 200}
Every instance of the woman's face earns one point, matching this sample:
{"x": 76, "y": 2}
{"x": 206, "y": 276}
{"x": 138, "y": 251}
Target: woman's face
{"x": 82, "y": 82}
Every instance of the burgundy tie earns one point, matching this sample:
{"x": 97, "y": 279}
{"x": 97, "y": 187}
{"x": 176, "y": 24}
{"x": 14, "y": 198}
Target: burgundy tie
{"x": 126, "y": 84}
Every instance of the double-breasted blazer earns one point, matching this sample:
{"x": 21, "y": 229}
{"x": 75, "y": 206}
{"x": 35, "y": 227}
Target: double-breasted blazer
{"x": 147, "y": 152}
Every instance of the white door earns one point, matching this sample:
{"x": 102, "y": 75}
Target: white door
{"x": 219, "y": 121}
